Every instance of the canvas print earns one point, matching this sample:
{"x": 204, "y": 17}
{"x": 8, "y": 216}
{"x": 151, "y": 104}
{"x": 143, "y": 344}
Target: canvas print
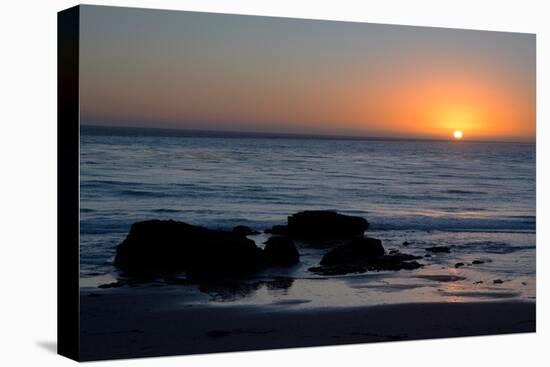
{"x": 252, "y": 182}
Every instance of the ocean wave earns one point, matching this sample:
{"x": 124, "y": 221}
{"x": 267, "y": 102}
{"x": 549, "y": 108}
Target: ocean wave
{"x": 465, "y": 192}
{"x": 146, "y": 193}
{"x": 99, "y": 183}
{"x": 426, "y": 223}
{"x": 167, "y": 210}
{"x": 491, "y": 247}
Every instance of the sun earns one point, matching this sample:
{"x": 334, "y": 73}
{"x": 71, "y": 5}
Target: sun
{"x": 457, "y": 134}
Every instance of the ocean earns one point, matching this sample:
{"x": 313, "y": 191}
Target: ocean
{"x": 477, "y": 197}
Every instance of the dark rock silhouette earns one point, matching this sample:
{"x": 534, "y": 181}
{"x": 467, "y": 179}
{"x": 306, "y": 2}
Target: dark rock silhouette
{"x": 166, "y": 247}
{"x": 322, "y": 224}
{"x": 161, "y": 246}
{"x": 361, "y": 255}
{"x": 244, "y": 231}
{"x": 281, "y": 251}
{"x": 359, "y": 250}
{"x": 280, "y": 229}
{"x": 439, "y": 249}
{"x": 458, "y": 265}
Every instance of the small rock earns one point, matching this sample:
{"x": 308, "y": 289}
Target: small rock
{"x": 458, "y": 265}
{"x": 427, "y": 255}
{"x": 361, "y": 255}
{"x": 477, "y": 262}
{"x": 498, "y": 281}
{"x": 438, "y": 249}
{"x": 479, "y": 282}
{"x": 406, "y": 243}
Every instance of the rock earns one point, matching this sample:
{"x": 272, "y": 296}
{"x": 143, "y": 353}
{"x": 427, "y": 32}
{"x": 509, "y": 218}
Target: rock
{"x": 323, "y": 224}
{"x": 280, "y": 229}
{"x": 281, "y": 251}
{"x": 439, "y": 249}
{"x": 387, "y": 262}
{"x": 477, "y": 262}
{"x": 498, "y": 281}
{"x": 361, "y": 255}
{"x": 244, "y": 231}
{"x": 427, "y": 255}
{"x": 478, "y": 282}
{"x": 406, "y": 243}
{"x": 359, "y": 250}
{"x": 458, "y": 265}
{"x": 164, "y": 246}
{"x": 404, "y": 257}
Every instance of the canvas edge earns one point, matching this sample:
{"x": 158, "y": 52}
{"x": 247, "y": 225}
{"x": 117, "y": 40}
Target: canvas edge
{"x": 68, "y": 137}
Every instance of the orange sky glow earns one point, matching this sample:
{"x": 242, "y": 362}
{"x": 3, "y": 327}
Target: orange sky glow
{"x": 227, "y": 72}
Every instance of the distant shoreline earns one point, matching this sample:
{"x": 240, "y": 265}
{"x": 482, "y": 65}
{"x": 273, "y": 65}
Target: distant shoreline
{"x": 99, "y": 130}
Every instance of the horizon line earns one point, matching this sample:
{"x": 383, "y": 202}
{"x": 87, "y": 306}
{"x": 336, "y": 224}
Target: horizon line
{"x": 294, "y": 135}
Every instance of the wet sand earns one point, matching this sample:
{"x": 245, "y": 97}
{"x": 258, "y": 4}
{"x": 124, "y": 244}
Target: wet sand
{"x": 122, "y": 324}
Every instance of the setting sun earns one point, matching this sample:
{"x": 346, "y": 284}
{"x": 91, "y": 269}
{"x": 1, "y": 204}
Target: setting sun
{"x": 457, "y": 134}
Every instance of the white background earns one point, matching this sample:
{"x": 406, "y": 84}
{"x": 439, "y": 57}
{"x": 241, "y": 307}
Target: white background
{"x": 28, "y": 182}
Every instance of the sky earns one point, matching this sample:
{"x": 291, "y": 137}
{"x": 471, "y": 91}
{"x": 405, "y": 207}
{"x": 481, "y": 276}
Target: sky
{"x": 188, "y": 70}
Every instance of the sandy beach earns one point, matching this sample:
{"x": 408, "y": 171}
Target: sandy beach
{"x": 123, "y": 324}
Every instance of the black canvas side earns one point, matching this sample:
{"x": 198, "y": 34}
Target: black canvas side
{"x": 68, "y": 135}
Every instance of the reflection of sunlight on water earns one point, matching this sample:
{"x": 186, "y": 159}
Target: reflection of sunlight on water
{"x": 302, "y": 293}
{"x": 452, "y": 287}
{"x": 319, "y": 293}
{"x": 431, "y": 284}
